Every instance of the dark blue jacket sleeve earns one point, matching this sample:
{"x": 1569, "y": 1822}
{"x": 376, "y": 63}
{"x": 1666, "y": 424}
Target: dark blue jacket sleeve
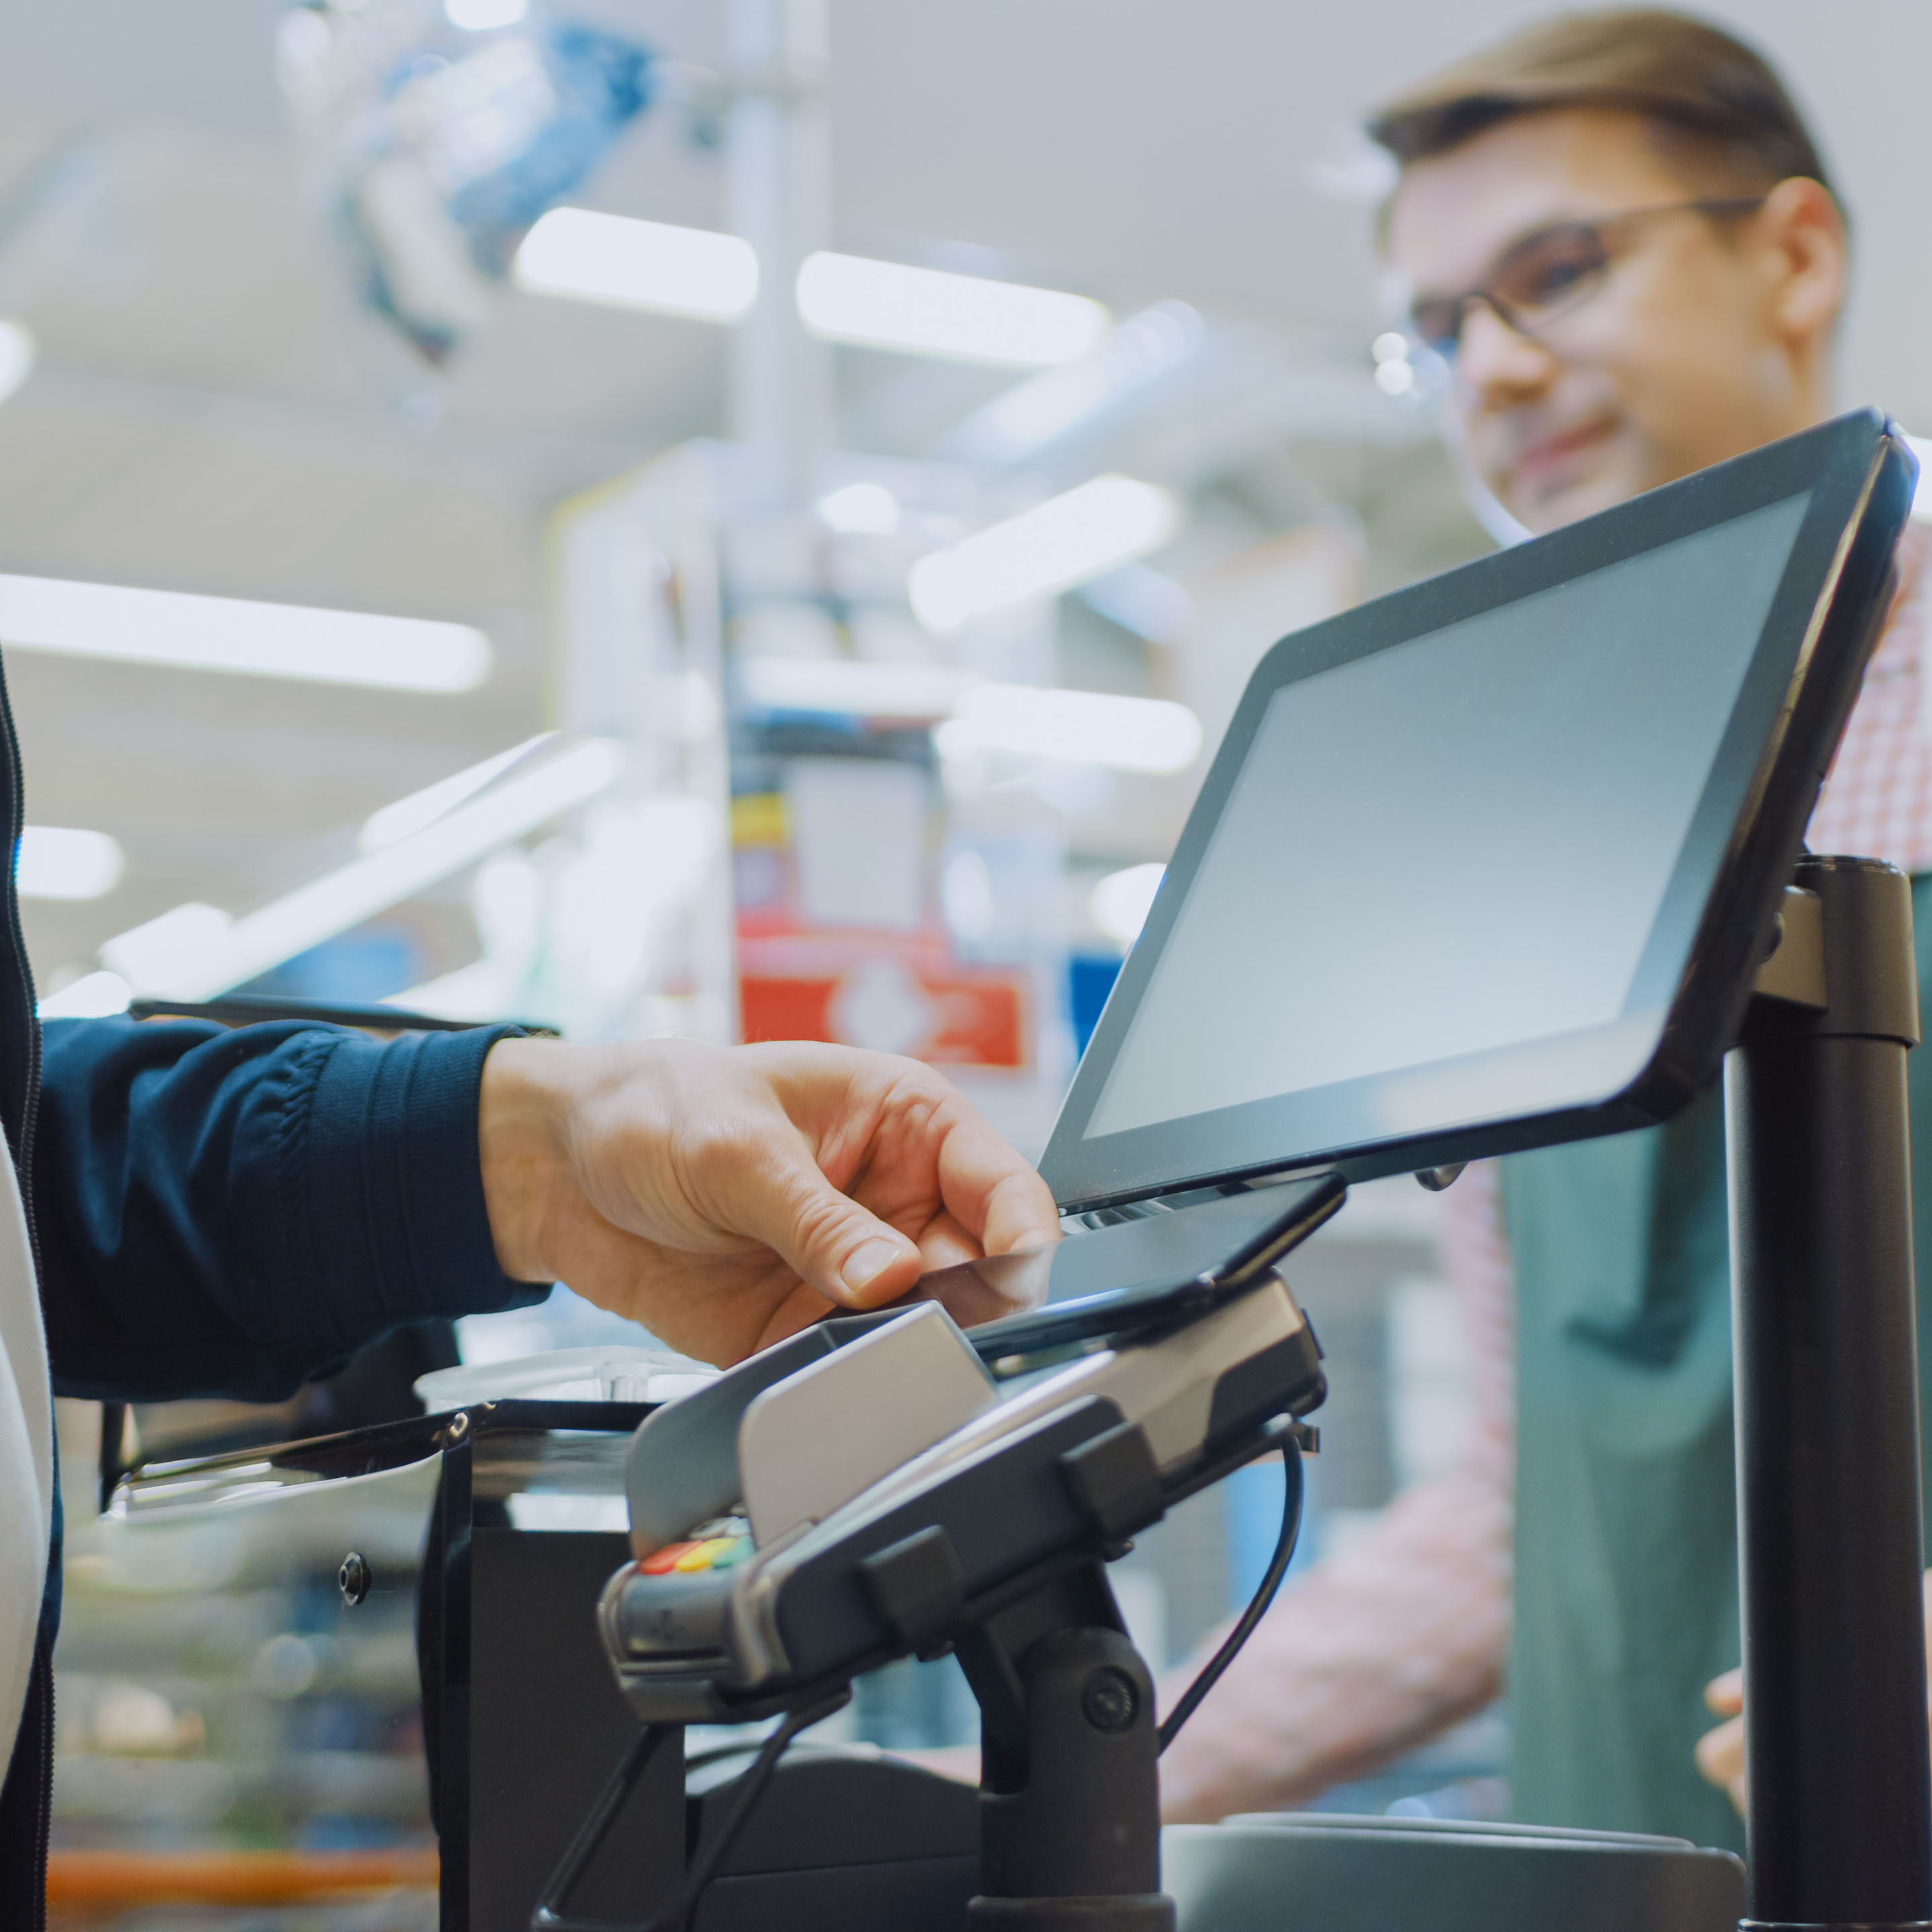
{"x": 230, "y": 1213}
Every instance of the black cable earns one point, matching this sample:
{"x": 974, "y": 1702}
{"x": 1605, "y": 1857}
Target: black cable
{"x": 552, "y": 1913}
{"x": 1209, "y": 1673}
{"x": 751, "y": 1789}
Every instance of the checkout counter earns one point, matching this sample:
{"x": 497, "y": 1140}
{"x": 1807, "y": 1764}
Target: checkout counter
{"x": 1544, "y": 882}
{"x": 375, "y": 1587}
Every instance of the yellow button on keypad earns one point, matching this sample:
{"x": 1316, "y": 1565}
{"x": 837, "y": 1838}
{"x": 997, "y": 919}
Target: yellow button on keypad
{"x": 702, "y": 1555}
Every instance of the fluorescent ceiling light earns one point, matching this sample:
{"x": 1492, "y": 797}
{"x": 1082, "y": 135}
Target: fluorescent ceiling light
{"x": 1122, "y": 901}
{"x": 18, "y": 351}
{"x": 231, "y": 633}
{"x": 196, "y": 951}
{"x": 397, "y": 821}
{"x": 849, "y": 688}
{"x": 179, "y": 954}
{"x": 1059, "y": 543}
{"x": 861, "y": 509}
{"x": 960, "y": 318}
{"x": 1045, "y": 407}
{"x": 93, "y": 997}
{"x": 625, "y": 263}
{"x": 478, "y": 16}
{"x": 1137, "y": 734}
{"x": 61, "y": 862}
{"x": 1090, "y": 727}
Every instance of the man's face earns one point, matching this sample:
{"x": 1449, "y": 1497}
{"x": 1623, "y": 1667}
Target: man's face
{"x": 1675, "y": 362}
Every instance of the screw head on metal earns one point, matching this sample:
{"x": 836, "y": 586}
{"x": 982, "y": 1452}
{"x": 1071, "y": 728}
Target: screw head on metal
{"x": 1109, "y": 1701}
{"x": 354, "y": 1577}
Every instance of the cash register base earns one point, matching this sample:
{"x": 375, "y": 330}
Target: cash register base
{"x": 523, "y": 1723}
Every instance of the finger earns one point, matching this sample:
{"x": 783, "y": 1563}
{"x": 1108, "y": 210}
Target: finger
{"x": 1724, "y": 1695}
{"x": 1021, "y": 1214}
{"x": 1720, "y": 1754}
{"x": 942, "y": 1243}
{"x": 899, "y": 1133}
{"x": 992, "y": 1191}
{"x": 839, "y": 1248}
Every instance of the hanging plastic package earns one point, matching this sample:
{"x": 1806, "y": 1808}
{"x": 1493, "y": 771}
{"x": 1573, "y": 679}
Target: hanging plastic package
{"x": 431, "y": 147}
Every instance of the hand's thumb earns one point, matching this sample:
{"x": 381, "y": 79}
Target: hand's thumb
{"x": 845, "y": 1252}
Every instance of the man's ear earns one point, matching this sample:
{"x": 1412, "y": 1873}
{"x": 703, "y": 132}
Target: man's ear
{"x": 1803, "y": 233}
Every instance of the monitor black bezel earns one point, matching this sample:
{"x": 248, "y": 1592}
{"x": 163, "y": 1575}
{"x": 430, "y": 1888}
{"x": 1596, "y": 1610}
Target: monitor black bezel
{"x": 1717, "y": 917}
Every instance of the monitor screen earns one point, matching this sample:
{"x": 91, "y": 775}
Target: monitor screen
{"x": 1458, "y": 843}
{"x": 1487, "y": 863}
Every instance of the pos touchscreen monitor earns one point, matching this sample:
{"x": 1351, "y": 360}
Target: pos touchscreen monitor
{"x": 1488, "y": 864}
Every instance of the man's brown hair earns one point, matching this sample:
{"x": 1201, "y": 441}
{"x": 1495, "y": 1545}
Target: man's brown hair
{"x": 1701, "y": 88}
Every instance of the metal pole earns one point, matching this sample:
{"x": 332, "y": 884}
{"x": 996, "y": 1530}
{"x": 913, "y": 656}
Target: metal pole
{"x": 1840, "y": 1798}
{"x": 779, "y": 162}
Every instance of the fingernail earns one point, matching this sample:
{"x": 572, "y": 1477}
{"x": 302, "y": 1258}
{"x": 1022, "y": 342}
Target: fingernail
{"x": 866, "y": 1263}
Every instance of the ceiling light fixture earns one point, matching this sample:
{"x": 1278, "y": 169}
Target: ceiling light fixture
{"x": 1087, "y": 728}
{"x": 232, "y": 633}
{"x": 196, "y": 951}
{"x": 479, "y": 16}
{"x": 860, "y": 509}
{"x": 1067, "y": 541}
{"x": 94, "y": 996}
{"x": 931, "y": 312}
{"x": 851, "y": 687}
{"x": 61, "y": 862}
{"x": 625, "y": 263}
{"x": 1094, "y": 727}
{"x": 396, "y": 822}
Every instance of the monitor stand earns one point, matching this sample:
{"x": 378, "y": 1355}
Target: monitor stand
{"x": 1839, "y": 1801}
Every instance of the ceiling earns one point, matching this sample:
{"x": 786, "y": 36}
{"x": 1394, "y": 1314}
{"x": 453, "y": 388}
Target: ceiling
{"x": 208, "y": 414}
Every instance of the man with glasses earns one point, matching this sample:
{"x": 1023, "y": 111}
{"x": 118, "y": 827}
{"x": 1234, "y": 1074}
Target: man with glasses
{"x": 1624, "y": 262}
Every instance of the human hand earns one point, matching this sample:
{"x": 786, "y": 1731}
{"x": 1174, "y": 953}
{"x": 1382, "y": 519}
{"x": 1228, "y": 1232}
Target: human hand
{"x": 1720, "y": 1751}
{"x": 726, "y": 1197}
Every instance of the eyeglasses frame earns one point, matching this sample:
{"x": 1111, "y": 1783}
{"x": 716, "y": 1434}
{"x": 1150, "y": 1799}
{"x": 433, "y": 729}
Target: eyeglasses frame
{"x": 1716, "y": 207}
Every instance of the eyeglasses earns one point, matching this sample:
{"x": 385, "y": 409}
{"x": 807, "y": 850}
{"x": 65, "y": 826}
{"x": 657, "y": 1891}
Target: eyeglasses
{"x": 1542, "y": 277}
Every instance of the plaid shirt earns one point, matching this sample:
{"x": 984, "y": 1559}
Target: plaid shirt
{"x": 1406, "y": 1629}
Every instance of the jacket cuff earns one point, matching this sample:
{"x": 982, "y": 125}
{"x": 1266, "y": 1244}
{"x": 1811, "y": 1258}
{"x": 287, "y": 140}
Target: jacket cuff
{"x": 382, "y": 1180}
